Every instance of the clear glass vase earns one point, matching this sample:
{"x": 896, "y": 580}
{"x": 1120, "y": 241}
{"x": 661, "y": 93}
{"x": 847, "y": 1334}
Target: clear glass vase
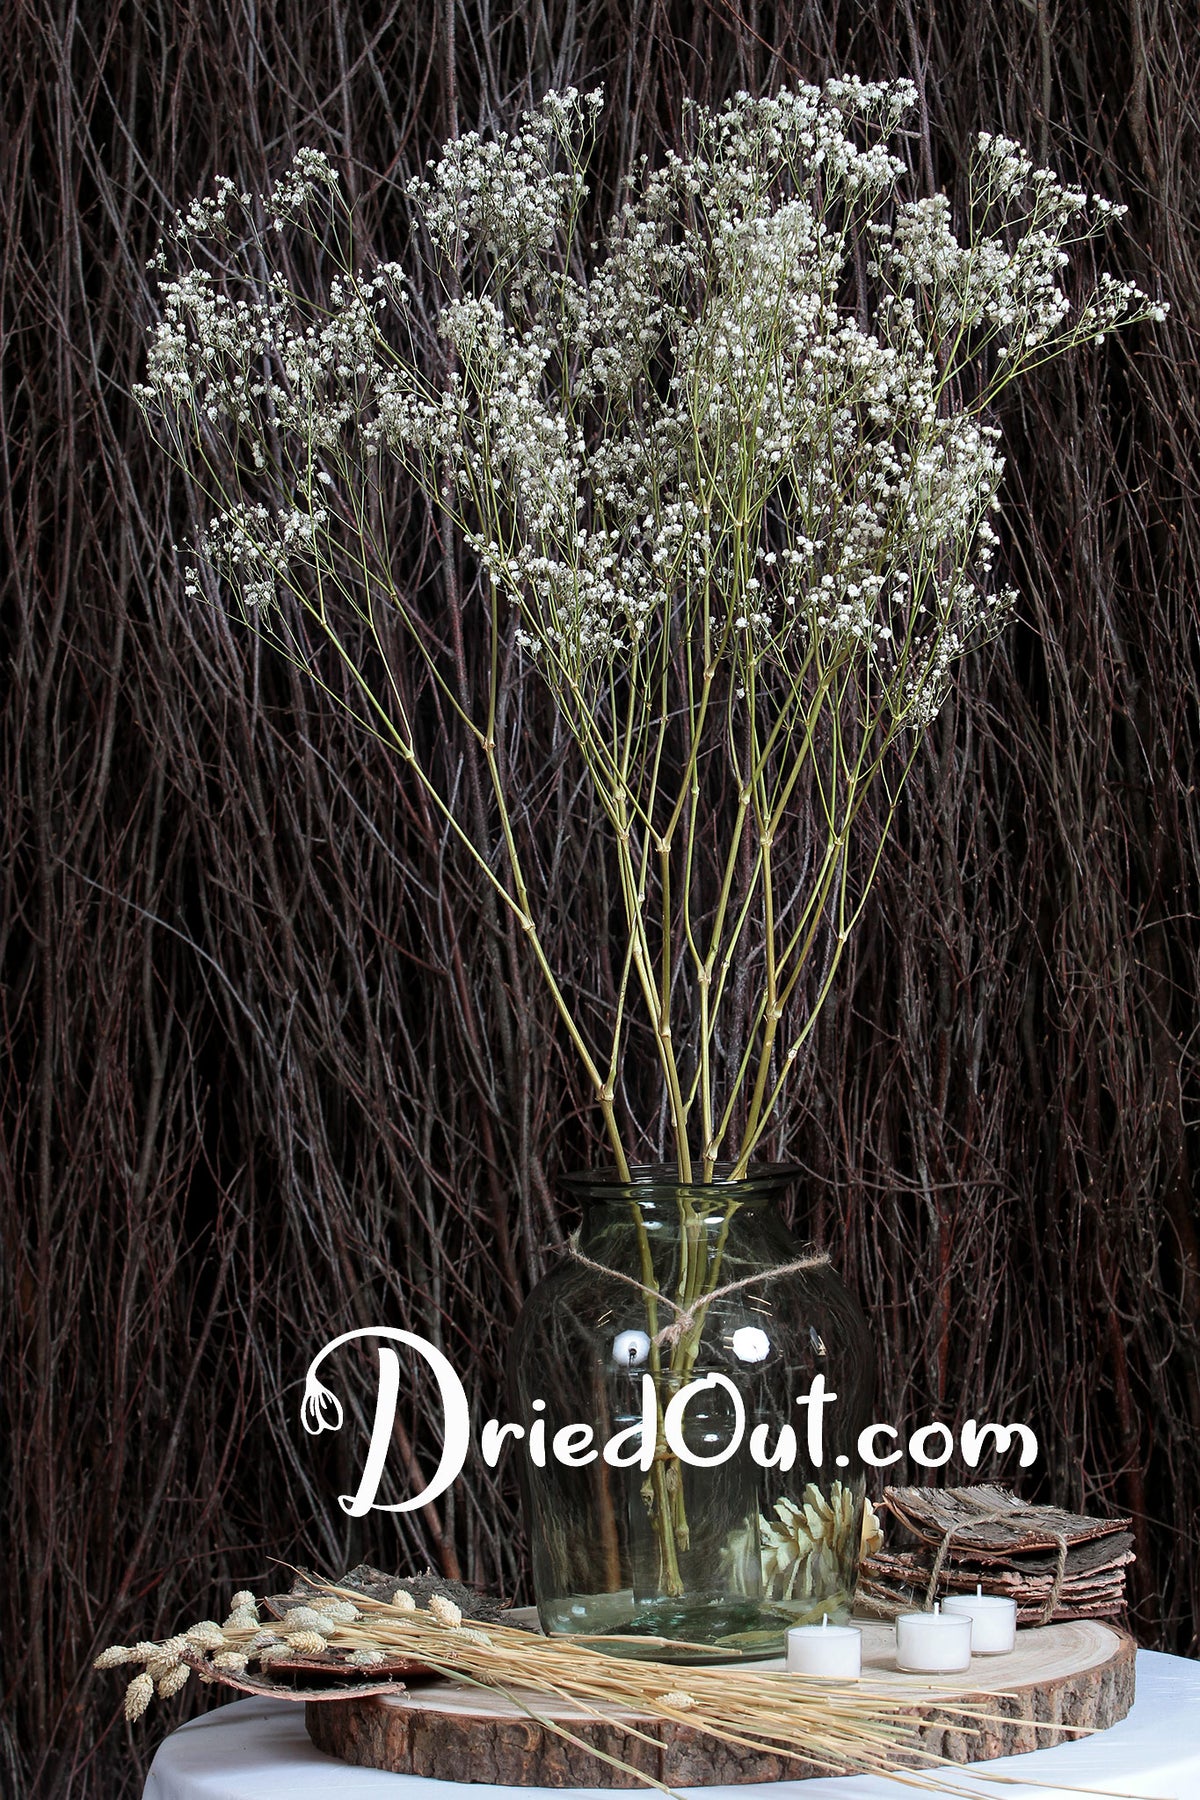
{"x": 644, "y": 1521}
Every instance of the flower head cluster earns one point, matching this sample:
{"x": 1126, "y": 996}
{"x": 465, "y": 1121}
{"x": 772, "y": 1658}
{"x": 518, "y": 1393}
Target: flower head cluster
{"x": 507, "y": 196}
{"x": 702, "y": 438}
{"x": 808, "y": 1544}
{"x": 310, "y": 174}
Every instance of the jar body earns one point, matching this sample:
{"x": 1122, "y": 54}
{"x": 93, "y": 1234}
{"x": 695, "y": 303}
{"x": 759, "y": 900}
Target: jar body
{"x": 696, "y": 1476}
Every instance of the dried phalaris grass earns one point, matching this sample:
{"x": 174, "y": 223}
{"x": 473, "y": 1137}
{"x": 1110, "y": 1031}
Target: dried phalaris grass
{"x": 138, "y": 1696}
{"x": 172, "y": 1681}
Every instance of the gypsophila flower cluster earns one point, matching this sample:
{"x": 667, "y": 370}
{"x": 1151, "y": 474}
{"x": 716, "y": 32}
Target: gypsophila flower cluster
{"x": 508, "y": 197}
{"x": 697, "y": 463}
{"x": 806, "y": 482}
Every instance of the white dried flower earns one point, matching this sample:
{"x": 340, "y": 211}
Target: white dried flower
{"x": 306, "y": 1643}
{"x": 307, "y": 1618}
{"x": 678, "y": 1700}
{"x": 403, "y": 1601}
{"x": 207, "y": 1635}
{"x": 872, "y": 1530}
{"x": 471, "y": 1634}
{"x": 232, "y": 1660}
{"x": 343, "y": 1612}
{"x": 444, "y": 1610}
{"x": 144, "y": 1651}
{"x": 113, "y": 1657}
{"x": 806, "y": 1547}
{"x": 171, "y": 1682}
{"x": 366, "y": 1659}
{"x": 242, "y": 1618}
{"x": 138, "y": 1696}
{"x": 243, "y": 1601}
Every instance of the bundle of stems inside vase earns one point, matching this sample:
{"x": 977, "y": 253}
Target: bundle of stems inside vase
{"x": 701, "y": 1250}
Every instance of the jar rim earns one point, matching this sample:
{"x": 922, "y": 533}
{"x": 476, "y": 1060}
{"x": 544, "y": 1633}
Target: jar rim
{"x": 649, "y": 1181}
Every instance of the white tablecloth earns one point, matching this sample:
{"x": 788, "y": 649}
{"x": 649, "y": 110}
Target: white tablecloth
{"x": 258, "y": 1750}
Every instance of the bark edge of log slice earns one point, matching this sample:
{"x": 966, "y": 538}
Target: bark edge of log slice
{"x": 1082, "y": 1675}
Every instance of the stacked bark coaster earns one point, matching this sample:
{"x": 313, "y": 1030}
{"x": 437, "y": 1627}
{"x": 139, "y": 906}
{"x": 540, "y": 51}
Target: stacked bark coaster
{"x": 1056, "y": 1565}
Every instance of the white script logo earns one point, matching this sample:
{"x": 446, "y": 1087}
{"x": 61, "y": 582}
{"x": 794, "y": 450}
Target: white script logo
{"x": 574, "y": 1445}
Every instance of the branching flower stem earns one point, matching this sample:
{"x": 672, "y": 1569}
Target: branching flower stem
{"x": 724, "y": 471}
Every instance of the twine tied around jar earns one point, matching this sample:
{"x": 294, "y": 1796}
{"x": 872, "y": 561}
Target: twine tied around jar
{"x": 686, "y": 1315}
{"x": 1009, "y": 1514}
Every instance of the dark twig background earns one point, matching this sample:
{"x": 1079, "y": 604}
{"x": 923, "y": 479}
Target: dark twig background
{"x": 271, "y": 1067}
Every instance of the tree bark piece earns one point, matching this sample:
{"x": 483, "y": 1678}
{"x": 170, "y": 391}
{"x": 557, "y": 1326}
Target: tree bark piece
{"x": 1056, "y": 1565}
{"x": 1078, "y": 1674}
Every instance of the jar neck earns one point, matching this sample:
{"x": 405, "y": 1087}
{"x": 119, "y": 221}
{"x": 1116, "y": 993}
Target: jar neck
{"x": 654, "y": 1201}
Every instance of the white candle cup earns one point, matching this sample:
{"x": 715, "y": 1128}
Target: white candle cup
{"x": 933, "y": 1643}
{"x": 993, "y": 1620}
{"x": 825, "y": 1649}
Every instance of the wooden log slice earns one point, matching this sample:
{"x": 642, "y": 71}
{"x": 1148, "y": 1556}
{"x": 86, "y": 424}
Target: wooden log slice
{"x": 1076, "y": 1674}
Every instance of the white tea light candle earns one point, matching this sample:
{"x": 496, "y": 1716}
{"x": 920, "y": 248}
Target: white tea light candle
{"x": 825, "y": 1649}
{"x": 993, "y": 1620}
{"x": 933, "y": 1643}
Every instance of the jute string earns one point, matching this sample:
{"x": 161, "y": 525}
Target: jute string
{"x": 1009, "y": 1513}
{"x": 685, "y": 1316}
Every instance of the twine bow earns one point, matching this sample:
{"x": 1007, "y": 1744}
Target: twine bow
{"x": 686, "y": 1315}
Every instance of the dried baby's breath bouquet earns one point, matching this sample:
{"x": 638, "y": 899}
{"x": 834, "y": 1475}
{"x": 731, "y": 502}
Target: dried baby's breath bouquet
{"x": 724, "y": 467}
{"x": 726, "y": 471}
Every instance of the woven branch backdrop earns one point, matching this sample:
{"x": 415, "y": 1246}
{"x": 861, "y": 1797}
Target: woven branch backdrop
{"x": 273, "y": 1069}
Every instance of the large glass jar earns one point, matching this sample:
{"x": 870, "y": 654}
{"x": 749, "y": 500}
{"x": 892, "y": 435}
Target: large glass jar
{"x": 643, "y": 1521}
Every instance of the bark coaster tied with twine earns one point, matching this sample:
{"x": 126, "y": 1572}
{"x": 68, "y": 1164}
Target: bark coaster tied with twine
{"x": 1054, "y": 1564}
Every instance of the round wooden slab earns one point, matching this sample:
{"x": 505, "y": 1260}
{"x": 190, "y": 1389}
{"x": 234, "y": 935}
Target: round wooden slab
{"x": 1075, "y": 1674}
